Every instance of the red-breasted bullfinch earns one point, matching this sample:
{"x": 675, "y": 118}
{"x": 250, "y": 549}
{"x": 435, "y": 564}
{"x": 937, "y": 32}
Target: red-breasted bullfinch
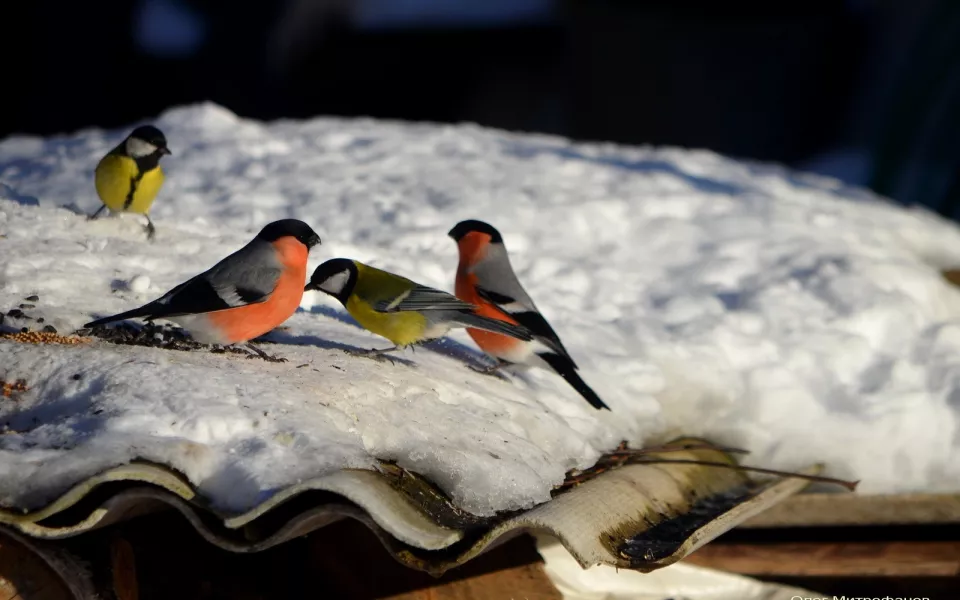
{"x": 243, "y": 296}
{"x": 486, "y": 279}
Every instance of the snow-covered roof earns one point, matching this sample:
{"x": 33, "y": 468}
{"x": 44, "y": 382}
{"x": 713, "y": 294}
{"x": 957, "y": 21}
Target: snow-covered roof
{"x": 760, "y": 308}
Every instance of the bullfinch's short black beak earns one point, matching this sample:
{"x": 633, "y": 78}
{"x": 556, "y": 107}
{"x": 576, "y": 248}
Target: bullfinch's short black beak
{"x": 313, "y": 241}
{"x": 310, "y": 287}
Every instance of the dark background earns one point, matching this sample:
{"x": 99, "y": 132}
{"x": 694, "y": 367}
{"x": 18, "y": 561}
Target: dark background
{"x": 866, "y": 90}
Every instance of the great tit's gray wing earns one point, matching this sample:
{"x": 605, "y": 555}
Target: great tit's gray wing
{"x": 440, "y": 307}
{"x": 423, "y": 298}
{"x": 475, "y": 321}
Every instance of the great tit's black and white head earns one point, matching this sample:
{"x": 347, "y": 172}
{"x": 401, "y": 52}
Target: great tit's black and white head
{"x": 336, "y": 277}
{"x": 290, "y": 228}
{"x": 144, "y": 141}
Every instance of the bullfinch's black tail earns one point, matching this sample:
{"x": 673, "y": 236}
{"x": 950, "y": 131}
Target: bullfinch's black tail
{"x": 145, "y": 311}
{"x": 565, "y": 369}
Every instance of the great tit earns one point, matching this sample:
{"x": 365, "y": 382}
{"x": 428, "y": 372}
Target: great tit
{"x": 129, "y": 176}
{"x": 397, "y": 308}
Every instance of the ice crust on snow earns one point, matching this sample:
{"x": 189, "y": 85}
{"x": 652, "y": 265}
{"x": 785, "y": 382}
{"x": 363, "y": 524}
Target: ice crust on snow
{"x": 767, "y": 309}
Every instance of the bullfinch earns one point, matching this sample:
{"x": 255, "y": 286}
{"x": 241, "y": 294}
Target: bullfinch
{"x": 486, "y": 279}
{"x": 129, "y": 176}
{"x": 243, "y": 296}
{"x": 398, "y": 309}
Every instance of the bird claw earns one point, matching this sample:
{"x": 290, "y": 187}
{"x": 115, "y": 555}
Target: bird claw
{"x": 368, "y": 353}
{"x": 377, "y": 354}
{"x": 258, "y": 353}
{"x": 268, "y": 358}
{"x": 151, "y": 230}
{"x": 97, "y": 213}
{"x": 492, "y": 371}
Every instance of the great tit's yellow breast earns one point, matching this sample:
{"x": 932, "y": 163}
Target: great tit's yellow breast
{"x": 401, "y": 328}
{"x": 146, "y": 191}
{"x": 116, "y": 176}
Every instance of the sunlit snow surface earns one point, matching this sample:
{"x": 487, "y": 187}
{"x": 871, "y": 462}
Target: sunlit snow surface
{"x": 765, "y": 309}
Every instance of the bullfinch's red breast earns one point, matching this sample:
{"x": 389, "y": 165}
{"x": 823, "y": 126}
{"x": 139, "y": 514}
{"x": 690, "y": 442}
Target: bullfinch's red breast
{"x": 486, "y": 279}
{"x": 245, "y": 295}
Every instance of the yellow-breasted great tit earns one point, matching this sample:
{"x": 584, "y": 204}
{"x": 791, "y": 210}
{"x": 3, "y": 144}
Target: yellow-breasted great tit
{"x": 397, "y": 308}
{"x": 129, "y": 176}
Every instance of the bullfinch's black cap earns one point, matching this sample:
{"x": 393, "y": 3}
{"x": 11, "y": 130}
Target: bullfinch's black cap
{"x": 464, "y": 227}
{"x": 290, "y": 228}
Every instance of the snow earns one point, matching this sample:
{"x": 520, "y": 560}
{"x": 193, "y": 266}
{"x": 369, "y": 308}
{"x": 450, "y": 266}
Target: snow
{"x": 776, "y": 311}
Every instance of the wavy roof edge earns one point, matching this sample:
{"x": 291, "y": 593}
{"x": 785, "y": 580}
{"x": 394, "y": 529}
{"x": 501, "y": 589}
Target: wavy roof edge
{"x": 638, "y": 516}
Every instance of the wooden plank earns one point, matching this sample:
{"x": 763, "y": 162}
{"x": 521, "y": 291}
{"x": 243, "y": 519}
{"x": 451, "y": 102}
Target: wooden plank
{"x": 861, "y": 559}
{"x": 124, "y": 569}
{"x": 811, "y": 510}
{"x": 529, "y": 582}
{"x": 344, "y": 555}
{"x": 952, "y": 275}
{"x": 26, "y": 576}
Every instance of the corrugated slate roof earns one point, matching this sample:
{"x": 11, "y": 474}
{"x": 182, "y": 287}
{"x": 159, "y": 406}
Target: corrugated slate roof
{"x": 637, "y": 516}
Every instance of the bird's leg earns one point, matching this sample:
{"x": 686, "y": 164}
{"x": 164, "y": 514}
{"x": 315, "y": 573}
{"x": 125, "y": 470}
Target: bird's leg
{"x": 374, "y": 352}
{"x": 413, "y": 345}
{"x": 491, "y": 370}
{"x": 102, "y": 208}
{"x": 258, "y": 352}
{"x": 151, "y": 230}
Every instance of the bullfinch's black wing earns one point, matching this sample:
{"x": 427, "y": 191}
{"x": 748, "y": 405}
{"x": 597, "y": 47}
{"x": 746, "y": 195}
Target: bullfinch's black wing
{"x": 529, "y": 317}
{"x": 247, "y": 276}
{"x": 523, "y": 312}
{"x": 209, "y": 293}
